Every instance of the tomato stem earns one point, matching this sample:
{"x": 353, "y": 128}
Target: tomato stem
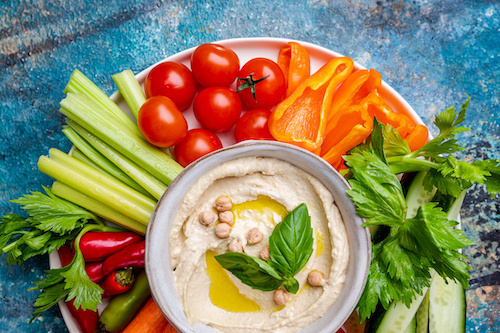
{"x": 250, "y": 83}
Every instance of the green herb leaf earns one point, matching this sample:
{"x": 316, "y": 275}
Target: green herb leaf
{"x": 290, "y": 247}
{"x": 376, "y": 191}
{"x": 86, "y": 293}
{"x": 252, "y": 271}
{"x": 291, "y": 242}
{"x": 51, "y": 213}
{"x": 292, "y": 285}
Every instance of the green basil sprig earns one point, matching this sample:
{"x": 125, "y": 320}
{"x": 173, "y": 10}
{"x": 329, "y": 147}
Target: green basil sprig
{"x": 290, "y": 247}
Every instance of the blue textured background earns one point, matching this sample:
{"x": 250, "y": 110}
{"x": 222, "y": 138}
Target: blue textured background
{"x": 432, "y": 52}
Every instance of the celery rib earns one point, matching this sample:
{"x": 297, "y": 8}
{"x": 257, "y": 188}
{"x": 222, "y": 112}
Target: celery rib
{"x": 82, "y": 110}
{"x": 151, "y": 184}
{"x": 102, "y": 163}
{"x": 79, "y": 83}
{"x": 66, "y": 192}
{"x": 83, "y": 178}
{"x": 131, "y": 90}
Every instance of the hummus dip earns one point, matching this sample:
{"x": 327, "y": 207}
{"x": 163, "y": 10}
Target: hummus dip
{"x": 263, "y": 190}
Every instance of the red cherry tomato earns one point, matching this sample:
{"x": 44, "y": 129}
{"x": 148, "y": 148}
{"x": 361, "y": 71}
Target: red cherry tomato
{"x": 214, "y": 65}
{"x": 267, "y": 80}
{"x": 253, "y": 126}
{"x": 161, "y": 122}
{"x": 198, "y": 142}
{"x": 217, "y": 108}
{"x": 173, "y": 80}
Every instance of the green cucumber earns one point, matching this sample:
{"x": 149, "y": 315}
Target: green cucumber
{"x": 447, "y": 306}
{"x": 398, "y": 317}
{"x": 417, "y": 195}
{"x": 423, "y": 316}
{"x": 412, "y": 328}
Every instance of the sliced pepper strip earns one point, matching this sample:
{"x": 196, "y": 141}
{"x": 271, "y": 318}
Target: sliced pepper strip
{"x": 300, "y": 119}
{"x": 352, "y": 126}
{"x": 377, "y": 106}
{"x": 295, "y": 63}
{"x": 354, "y": 89}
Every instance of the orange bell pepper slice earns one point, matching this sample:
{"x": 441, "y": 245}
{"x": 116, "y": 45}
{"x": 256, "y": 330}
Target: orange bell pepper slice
{"x": 377, "y": 106}
{"x": 356, "y": 87}
{"x": 300, "y": 119}
{"x": 418, "y": 137}
{"x": 352, "y": 126}
{"x": 295, "y": 63}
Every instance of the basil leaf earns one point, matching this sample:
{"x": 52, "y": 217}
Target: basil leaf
{"x": 292, "y": 285}
{"x": 291, "y": 243}
{"x": 252, "y": 271}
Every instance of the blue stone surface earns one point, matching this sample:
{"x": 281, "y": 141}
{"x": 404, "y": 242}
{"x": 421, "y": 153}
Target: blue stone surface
{"x": 432, "y": 52}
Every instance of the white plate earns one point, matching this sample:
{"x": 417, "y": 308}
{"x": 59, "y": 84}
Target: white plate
{"x": 246, "y": 49}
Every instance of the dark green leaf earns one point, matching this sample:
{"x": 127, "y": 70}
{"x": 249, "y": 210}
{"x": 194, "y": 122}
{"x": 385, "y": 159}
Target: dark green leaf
{"x": 51, "y": 213}
{"x": 376, "y": 190}
{"x": 86, "y": 293}
{"x": 291, "y": 242}
{"x": 48, "y": 298}
{"x": 253, "y": 272}
{"x": 292, "y": 285}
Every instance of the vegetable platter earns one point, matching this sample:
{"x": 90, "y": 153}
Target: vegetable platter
{"x": 412, "y": 218}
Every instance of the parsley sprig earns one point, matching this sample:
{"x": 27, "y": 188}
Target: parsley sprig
{"x": 52, "y": 222}
{"x": 290, "y": 247}
{"x": 402, "y": 261}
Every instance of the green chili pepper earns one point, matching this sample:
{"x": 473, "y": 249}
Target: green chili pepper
{"x": 122, "y": 308}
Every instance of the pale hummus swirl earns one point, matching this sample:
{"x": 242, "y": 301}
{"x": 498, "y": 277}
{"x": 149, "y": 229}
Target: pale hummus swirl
{"x": 244, "y": 180}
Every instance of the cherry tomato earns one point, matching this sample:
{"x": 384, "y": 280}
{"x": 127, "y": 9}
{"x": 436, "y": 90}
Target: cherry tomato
{"x": 173, "y": 80}
{"x": 217, "y": 108}
{"x": 161, "y": 122}
{"x": 198, "y": 142}
{"x": 214, "y": 65}
{"x": 261, "y": 84}
{"x": 253, "y": 126}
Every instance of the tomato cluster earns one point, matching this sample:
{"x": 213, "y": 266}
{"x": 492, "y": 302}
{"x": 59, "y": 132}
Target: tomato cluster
{"x": 172, "y": 87}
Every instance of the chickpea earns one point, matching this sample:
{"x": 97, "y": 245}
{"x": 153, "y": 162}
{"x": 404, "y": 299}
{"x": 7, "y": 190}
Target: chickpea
{"x": 264, "y": 253}
{"x": 235, "y": 246}
{"x": 206, "y": 218}
{"x": 255, "y": 236}
{"x": 222, "y": 230}
{"x": 281, "y": 296}
{"x": 316, "y": 278}
{"x": 227, "y": 217}
{"x": 223, "y": 203}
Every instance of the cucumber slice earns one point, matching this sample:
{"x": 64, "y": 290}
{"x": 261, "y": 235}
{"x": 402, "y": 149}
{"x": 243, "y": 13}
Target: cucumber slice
{"x": 398, "y": 317}
{"x": 447, "y": 306}
{"x": 423, "y": 315}
{"x": 417, "y": 195}
{"x": 412, "y": 328}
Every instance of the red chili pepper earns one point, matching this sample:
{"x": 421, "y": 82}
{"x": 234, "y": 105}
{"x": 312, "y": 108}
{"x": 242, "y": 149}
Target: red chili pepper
{"x": 86, "y": 319}
{"x": 66, "y": 255}
{"x": 118, "y": 282}
{"x": 97, "y": 246}
{"x": 94, "y": 271}
{"x": 131, "y": 256}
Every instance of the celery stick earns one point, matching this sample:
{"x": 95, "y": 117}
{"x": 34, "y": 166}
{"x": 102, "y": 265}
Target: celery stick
{"x": 131, "y": 90}
{"x": 111, "y": 183}
{"x": 83, "y": 178}
{"x": 79, "y": 83}
{"x": 150, "y": 183}
{"x": 104, "y": 164}
{"x": 66, "y": 192}
{"x": 79, "y": 108}
{"x": 83, "y": 158}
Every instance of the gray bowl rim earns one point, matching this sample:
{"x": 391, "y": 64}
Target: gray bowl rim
{"x": 359, "y": 237}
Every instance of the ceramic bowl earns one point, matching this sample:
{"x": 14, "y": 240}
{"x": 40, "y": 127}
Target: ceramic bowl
{"x": 158, "y": 265}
